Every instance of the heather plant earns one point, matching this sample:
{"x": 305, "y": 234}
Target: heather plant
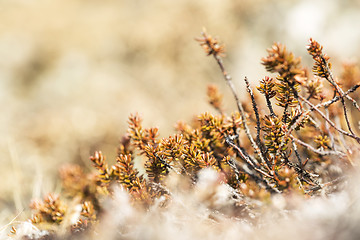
{"x": 300, "y": 139}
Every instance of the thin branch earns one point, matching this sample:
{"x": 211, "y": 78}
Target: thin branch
{"x": 343, "y": 143}
{"x": 259, "y": 180}
{"x": 246, "y": 158}
{"x": 321, "y": 186}
{"x": 304, "y": 114}
{"x": 338, "y": 88}
{"x": 326, "y": 105}
{"x": 296, "y": 152}
{"x": 258, "y": 126}
{"x": 346, "y": 116}
{"x": 232, "y": 164}
{"x": 313, "y": 107}
{"x": 318, "y": 151}
{"x": 328, "y": 129}
{"x": 330, "y": 79}
{"x": 337, "y": 98}
{"x": 255, "y": 108}
{"x": 269, "y": 187}
{"x": 228, "y": 80}
{"x": 269, "y": 106}
{"x": 303, "y": 174}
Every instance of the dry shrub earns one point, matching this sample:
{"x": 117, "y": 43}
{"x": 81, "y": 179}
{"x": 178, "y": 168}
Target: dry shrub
{"x": 255, "y": 172}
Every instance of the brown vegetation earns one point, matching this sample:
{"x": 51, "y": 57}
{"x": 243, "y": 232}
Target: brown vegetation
{"x": 292, "y": 144}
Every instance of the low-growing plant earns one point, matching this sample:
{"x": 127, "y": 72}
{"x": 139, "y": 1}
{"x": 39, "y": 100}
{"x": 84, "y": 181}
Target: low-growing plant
{"x": 299, "y": 139}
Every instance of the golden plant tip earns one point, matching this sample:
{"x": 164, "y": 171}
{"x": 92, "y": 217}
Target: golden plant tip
{"x": 211, "y": 45}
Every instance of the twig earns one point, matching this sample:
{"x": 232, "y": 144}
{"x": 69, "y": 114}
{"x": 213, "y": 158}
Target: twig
{"x": 232, "y": 164}
{"x": 344, "y": 144}
{"x": 337, "y": 98}
{"x": 318, "y": 151}
{"x": 337, "y": 87}
{"x": 212, "y": 47}
{"x": 296, "y": 152}
{"x": 228, "y": 80}
{"x": 303, "y": 174}
{"x": 269, "y": 106}
{"x": 330, "y": 79}
{"x": 313, "y": 107}
{"x": 304, "y": 114}
{"x": 255, "y": 108}
{"x": 258, "y": 126}
{"x": 328, "y": 129}
{"x": 246, "y": 158}
{"x": 326, "y": 105}
{"x": 271, "y": 188}
{"x": 11, "y": 222}
{"x": 321, "y": 186}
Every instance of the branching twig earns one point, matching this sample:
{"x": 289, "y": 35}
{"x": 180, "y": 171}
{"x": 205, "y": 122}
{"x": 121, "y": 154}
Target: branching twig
{"x": 338, "y": 88}
{"x": 318, "y": 151}
{"x": 313, "y": 107}
{"x": 322, "y": 69}
{"x": 246, "y": 158}
{"x": 271, "y": 188}
{"x": 212, "y": 47}
{"x": 228, "y": 80}
{"x": 337, "y": 98}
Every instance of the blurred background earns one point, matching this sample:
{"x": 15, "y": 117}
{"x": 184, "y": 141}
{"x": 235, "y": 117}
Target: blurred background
{"x": 71, "y": 72}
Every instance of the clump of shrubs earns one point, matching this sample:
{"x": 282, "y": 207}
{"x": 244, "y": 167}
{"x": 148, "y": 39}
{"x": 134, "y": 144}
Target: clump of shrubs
{"x": 298, "y": 138}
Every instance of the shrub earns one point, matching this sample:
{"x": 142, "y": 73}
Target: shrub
{"x": 293, "y": 141}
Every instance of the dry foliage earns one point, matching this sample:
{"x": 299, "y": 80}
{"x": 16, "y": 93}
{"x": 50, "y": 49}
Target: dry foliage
{"x": 300, "y": 147}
